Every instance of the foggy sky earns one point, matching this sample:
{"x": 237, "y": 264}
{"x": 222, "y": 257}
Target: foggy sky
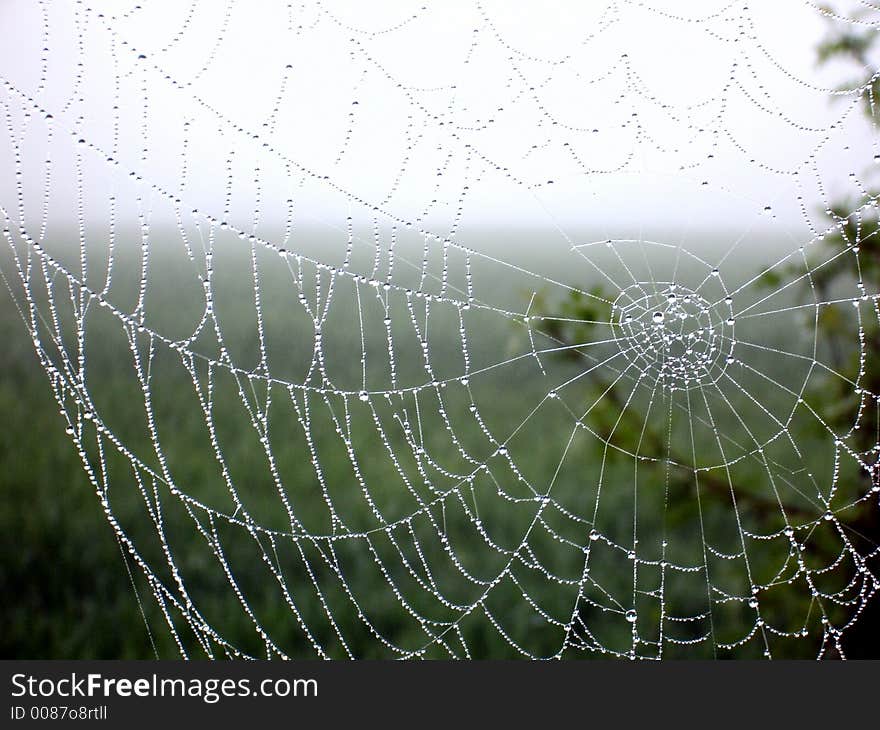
{"x": 563, "y": 116}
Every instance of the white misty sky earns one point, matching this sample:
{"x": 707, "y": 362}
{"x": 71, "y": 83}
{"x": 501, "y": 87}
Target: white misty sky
{"x": 701, "y": 118}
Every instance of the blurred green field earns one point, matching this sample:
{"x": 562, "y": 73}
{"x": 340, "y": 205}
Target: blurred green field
{"x": 69, "y": 585}
{"x": 66, "y": 594}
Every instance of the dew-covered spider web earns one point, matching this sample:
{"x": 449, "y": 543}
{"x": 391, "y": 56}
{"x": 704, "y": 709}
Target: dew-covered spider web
{"x": 467, "y": 329}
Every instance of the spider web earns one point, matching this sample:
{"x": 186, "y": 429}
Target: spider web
{"x": 327, "y": 413}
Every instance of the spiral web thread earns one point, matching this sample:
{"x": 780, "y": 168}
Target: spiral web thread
{"x": 491, "y": 471}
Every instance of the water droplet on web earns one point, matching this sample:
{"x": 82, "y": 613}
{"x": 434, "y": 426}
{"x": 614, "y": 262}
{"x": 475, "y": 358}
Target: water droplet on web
{"x": 658, "y": 317}
{"x": 631, "y": 616}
